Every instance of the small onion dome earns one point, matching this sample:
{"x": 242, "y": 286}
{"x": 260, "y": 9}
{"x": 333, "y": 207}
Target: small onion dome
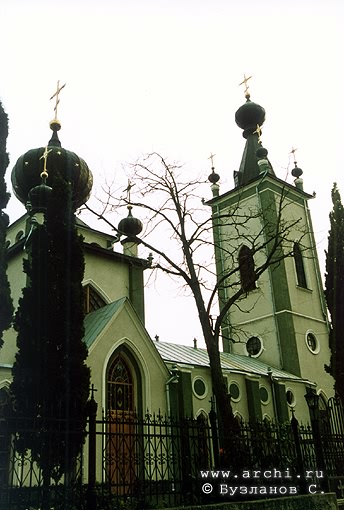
{"x": 38, "y": 198}
{"x": 296, "y": 171}
{"x": 248, "y": 116}
{"x": 130, "y": 226}
{"x": 26, "y": 173}
{"x": 261, "y": 152}
{"x": 213, "y": 177}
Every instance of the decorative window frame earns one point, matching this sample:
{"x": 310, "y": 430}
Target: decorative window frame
{"x": 206, "y": 387}
{"x": 261, "y": 347}
{"x": 229, "y": 391}
{"x": 266, "y": 402}
{"x": 317, "y": 349}
{"x": 293, "y": 403}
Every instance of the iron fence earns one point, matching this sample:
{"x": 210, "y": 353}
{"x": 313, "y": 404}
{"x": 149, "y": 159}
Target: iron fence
{"x": 153, "y": 461}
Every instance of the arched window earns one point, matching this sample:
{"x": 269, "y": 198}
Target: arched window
{"x": 92, "y": 299}
{"x": 246, "y": 268}
{"x": 120, "y": 386}
{"x": 299, "y": 266}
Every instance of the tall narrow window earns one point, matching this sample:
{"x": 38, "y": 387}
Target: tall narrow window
{"x": 246, "y": 268}
{"x": 120, "y": 386}
{"x": 299, "y": 266}
{"x": 92, "y": 299}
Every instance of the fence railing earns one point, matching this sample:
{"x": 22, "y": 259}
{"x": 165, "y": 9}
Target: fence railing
{"x": 154, "y": 461}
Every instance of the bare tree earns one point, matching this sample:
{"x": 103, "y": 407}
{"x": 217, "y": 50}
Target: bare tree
{"x": 187, "y": 240}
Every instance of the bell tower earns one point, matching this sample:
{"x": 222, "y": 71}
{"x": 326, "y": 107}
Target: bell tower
{"x": 265, "y": 252}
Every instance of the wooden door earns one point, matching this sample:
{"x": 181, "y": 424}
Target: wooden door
{"x": 121, "y": 445}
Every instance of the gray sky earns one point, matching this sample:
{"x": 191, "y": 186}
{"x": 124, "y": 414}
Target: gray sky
{"x": 163, "y": 75}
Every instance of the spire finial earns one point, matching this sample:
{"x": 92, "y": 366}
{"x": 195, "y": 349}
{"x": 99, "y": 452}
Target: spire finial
{"x": 44, "y": 156}
{"x": 213, "y": 177}
{"x": 293, "y": 153}
{"x": 296, "y": 171}
{"x": 57, "y": 100}
{"x": 244, "y": 82}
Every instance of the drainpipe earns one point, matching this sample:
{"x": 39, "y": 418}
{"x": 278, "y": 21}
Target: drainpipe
{"x": 273, "y": 393}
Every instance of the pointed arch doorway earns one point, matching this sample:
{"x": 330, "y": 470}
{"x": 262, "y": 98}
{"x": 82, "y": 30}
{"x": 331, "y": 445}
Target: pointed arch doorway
{"x": 121, "y": 393}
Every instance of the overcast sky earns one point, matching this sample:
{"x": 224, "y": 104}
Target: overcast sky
{"x": 163, "y": 75}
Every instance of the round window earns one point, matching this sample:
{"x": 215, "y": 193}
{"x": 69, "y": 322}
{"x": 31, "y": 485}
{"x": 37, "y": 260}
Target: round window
{"x": 200, "y": 388}
{"x": 234, "y": 391}
{"x": 290, "y": 398}
{"x": 312, "y": 342}
{"x": 254, "y": 346}
{"x": 264, "y": 395}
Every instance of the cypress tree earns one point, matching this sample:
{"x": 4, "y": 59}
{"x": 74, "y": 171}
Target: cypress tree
{"x": 6, "y": 306}
{"x": 50, "y": 377}
{"x": 334, "y": 290}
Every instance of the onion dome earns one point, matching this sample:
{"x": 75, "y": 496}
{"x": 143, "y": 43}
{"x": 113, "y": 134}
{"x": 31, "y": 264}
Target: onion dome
{"x": 296, "y": 171}
{"x": 130, "y": 226}
{"x": 262, "y": 160}
{"x": 27, "y": 172}
{"x": 249, "y": 116}
{"x": 213, "y": 177}
{"x": 38, "y": 198}
{"x": 261, "y": 152}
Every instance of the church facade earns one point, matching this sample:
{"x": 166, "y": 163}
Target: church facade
{"x": 275, "y": 344}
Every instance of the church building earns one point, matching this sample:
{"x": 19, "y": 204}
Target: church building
{"x": 275, "y": 343}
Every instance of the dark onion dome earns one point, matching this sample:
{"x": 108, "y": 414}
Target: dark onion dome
{"x": 249, "y": 116}
{"x": 38, "y": 198}
{"x": 26, "y": 173}
{"x": 130, "y": 226}
{"x": 296, "y": 171}
{"x": 261, "y": 152}
{"x": 213, "y": 177}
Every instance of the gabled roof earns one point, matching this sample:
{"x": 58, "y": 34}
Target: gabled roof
{"x": 96, "y": 321}
{"x": 182, "y": 354}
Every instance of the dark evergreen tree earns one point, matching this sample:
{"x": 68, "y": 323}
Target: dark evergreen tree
{"x": 50, "y": 377}
{"x": 334, "y": 290}
{"x": 6, "y": 306}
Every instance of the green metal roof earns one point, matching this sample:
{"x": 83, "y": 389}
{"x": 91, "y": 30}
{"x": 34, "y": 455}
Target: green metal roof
{"x": 96, "y": 321}
{"x": 183, "y": 354}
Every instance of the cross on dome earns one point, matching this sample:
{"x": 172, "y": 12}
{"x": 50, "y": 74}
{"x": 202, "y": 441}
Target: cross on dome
{"x": 244, "y": 82}
{"x": 56, "y": 95}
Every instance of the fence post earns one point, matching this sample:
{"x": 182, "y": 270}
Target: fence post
{"x": 312, "y": 399}
{"x": 214, "y": 433}
{"x": 91, "y": 495}
{"x": 299, "y": 458}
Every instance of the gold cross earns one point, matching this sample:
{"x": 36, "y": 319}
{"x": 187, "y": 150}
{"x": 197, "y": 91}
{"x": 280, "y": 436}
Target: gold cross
{"x": 244, "y": 82}
{"x": 44, "y": 156}
{"x": 212, "y": 159}
{"x": 258, "y": 131}
{"x": 293, "y": 153}
{"x": 58, "y": 90}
